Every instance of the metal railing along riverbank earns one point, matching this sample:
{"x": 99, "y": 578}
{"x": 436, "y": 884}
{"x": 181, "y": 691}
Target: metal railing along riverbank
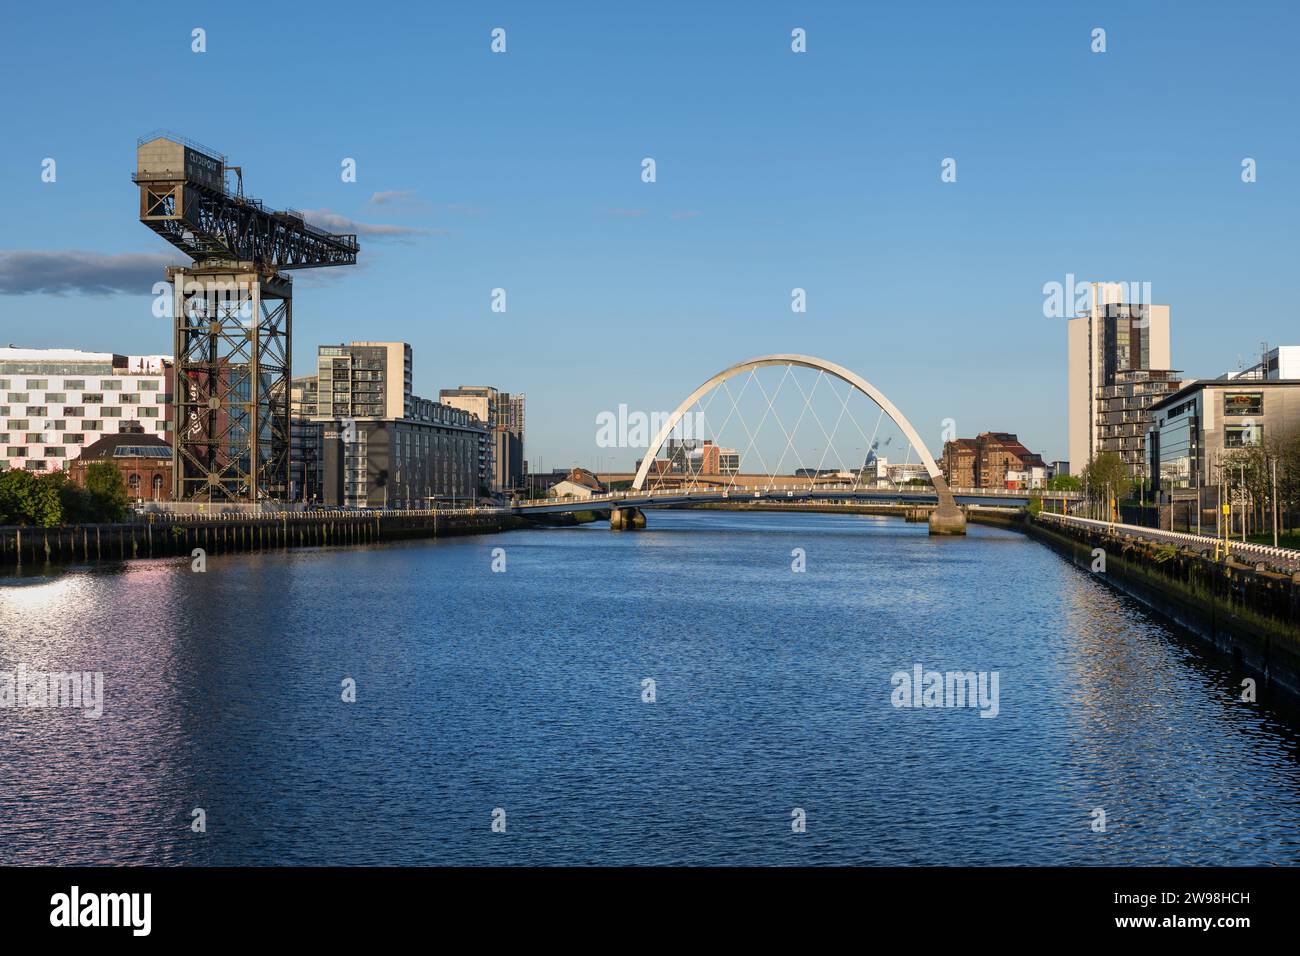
{"x": 1284, "y": 559}
{"x": 192, "y": 513}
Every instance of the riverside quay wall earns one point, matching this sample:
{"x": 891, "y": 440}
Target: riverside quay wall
{"x": 225, "y": 534}
{"x": 1247, "y": 611}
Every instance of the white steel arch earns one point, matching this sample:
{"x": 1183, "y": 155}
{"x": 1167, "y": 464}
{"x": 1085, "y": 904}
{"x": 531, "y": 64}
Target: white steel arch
{"x": 804, "y": 361}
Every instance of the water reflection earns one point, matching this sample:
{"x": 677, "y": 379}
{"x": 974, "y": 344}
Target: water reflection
{"x": 523, "y": 690}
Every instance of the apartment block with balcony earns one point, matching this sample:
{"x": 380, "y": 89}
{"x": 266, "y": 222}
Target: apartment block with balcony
{"x": 503, "y": 414}
{"x": 363, "y": 380}
{"x": 363, "y": 439}
{"x": 1124, "y": 413}
{"x": 1110, "y": 340}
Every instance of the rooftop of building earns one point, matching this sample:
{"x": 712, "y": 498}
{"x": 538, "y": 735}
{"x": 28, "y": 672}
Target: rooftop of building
{"x": 581, "y": 476}
{"x": 127, "y": 444}
{"x": 12, "y": 354}
{"x": 15, "y": 353}
{"x": 1195, "y": 385}
{"x": 1010, "y": 443}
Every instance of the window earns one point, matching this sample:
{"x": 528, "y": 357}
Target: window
{"x": 130, "y": 398}
{"x": 1242, "y": 436}
{"x": 111, "y": 411}
{"x": 150, "y": 385}
{"x": 36, "y": 465}
{"x": 56, "y": 398}
{"x": 74, "y": 384}
{"x": 157, "y": 487}
{"x": 33, "y": 438}
{"x": 74, "y": 438}
{"x": 57, "y": 425}
{"x": 148, "y": 411}
{"x": 1243, "y": 403}
{"x": 74, "y": 411}
{"x": 4, "y": 411}
{"x": 17, "y": 451}
{"x": 38, "y": 384}
{"x": 18, "y": 398}
{"x": 110, "y": 385}
{"x": 93, "y": 424}
{"x": 93, "y": 398}
{"x": 4, "y": 383}
{"x": 55, "y": 451}
{"x": 133, "y": 484}
{"x": 19, "y": 424}
{"x": 4, "y": 438}
{"x": 39, "y": 411}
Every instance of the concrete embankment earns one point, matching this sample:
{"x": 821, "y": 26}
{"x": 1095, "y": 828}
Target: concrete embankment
{"x": 1249, "y": 613}
{"x": 230, "y": 534}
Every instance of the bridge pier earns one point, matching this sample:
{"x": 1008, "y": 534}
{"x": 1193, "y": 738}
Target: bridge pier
{"x": 947, "y": 518}
{"x": 626, "y": 519}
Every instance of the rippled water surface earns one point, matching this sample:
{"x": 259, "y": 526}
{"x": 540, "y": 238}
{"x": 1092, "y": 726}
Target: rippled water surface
{"x": 523, "y": 691}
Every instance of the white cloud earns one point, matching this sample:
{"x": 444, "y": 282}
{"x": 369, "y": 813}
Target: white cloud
{"x": 333, "y": 222}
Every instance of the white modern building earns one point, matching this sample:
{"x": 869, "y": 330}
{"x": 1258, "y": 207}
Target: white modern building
{"x": 1282, "y": 362}
{"x": 1110, "y": 337}
{"x": 55, "y": 402}
{"x": 888, "y": 475}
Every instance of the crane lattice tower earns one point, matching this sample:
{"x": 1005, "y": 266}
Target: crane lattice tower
{"x": 232, "y": 319}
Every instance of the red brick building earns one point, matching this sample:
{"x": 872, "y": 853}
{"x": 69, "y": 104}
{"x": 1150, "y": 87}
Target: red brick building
{"x": 144, "y": 460}
{"x": 989, "y": 460}
{"x": 958, "y": 463}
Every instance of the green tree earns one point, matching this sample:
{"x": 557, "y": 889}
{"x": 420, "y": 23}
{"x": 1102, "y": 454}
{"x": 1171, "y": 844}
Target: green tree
{"x": 47, "y": 508}
{"x": 15, "y": 494}
{"x": 74, "y": 500}
{"x": 1064, "y": 483}
{"x": 1107, "y": 475}
{"x": 26, "y": 498}
{"x": 107, "y": 492}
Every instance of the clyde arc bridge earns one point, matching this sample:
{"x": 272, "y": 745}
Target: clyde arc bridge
{"x": 749, "y": 432}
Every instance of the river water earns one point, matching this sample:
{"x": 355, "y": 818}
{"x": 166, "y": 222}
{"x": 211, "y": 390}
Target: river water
{"x": 522, "y": 697}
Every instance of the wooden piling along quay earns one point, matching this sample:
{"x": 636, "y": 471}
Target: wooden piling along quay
{"x": 164, "y": 535}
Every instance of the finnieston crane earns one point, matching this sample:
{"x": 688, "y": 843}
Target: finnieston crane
{"x": 232, "y": 318}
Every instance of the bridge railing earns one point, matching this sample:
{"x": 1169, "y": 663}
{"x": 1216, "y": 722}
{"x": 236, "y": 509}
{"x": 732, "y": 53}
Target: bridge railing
{"x": 727, "y": 491}
{"x": 1284, "y": 559}
{"x": 313, "y": 514}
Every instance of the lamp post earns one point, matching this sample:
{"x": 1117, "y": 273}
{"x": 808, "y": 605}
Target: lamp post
{"x": 1243, "y": 502}
{"x": 1273, "y": 463}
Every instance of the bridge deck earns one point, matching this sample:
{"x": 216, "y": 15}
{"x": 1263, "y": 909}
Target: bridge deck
{"x": 686, "y": 496}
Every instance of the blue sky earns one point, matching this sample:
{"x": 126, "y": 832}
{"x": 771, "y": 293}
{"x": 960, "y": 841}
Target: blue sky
{"x": 775, "y": 170}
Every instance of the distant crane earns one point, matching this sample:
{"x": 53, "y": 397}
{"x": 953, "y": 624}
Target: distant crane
{"x": 232, "y": 319}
